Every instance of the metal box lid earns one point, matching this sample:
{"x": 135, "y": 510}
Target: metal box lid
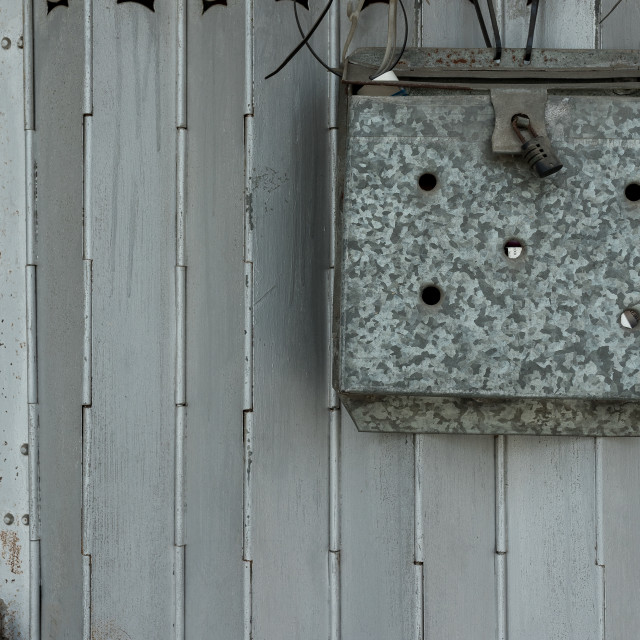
{"x": 543, "y": 326}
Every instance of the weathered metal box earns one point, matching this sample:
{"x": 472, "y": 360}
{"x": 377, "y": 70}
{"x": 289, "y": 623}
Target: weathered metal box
{"x": 473, "y": 296}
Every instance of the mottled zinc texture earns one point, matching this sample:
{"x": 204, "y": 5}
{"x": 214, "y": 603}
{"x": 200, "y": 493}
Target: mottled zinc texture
{"x": 545, "y": 325}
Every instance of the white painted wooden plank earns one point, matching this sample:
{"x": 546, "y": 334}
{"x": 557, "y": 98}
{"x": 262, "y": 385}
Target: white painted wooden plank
{"x": 215, "y": 320}
{"x": 621, "y": 552}
{"x": 377, "y": 484}
{"x": 15, "y": 558}
{"x": 377, "y": 534}
{"x": 290, "y": 216}
{"x": 619, "y": 29}
{"x": 59, "y": 61}
{"x": 552, "y": 578}
{"x": 458, "y": 488}
{"x": 561, "y": 25}
{"x": 133, "y": 201}
{"x": 454, "y": 23}
{"x": 619, "y": 539}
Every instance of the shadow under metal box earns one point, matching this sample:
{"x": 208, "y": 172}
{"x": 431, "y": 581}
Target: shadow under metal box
{"x": 471, "y": 295}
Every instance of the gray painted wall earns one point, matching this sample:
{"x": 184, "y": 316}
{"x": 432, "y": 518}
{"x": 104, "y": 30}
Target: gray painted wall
{"x": 198, "y": 478}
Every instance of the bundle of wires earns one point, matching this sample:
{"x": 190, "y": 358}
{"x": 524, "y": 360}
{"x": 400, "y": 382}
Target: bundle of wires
{"x": 388, "y": 63}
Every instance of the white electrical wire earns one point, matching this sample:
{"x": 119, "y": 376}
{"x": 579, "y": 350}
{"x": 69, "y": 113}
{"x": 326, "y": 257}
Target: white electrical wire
{"x": 385, "y": 65}
{"x": 354, "y": 16}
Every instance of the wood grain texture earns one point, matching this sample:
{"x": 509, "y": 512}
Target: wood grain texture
{"x": 377, "y": 508}
{"x": 59, "y": 60}
{"x": 618, "y": 31}
{"x": 14, "y": 429}
{"x": 621, "y": 535}
{"x": 377, "y": 534}
{"x": 290, "y": 220}
{"x": 458, "y": 487}
{"x": 455, "y": 24}
{"x": 552, "y": 578}
{"x": 560, "y": 25}
{"x": 133, "y": 200}
{"x": 215, "y": 317}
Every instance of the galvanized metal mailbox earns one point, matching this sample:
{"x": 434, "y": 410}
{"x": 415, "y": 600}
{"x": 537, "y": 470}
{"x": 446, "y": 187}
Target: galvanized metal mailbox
{"x": 473, "y": 293}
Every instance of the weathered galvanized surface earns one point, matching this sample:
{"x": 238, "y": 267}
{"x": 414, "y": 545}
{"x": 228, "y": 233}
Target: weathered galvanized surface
{"x": 14, "y": 463}
{"x": 543, "y": 326}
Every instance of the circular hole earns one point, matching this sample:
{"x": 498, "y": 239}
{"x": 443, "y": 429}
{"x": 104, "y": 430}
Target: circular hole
{"x": 431, "y": 295}
{"x": 629, "y": 318}
{"x": 513, "y": 249}
{"x": 633, "y": 192}
{"x": 427, "y": 182}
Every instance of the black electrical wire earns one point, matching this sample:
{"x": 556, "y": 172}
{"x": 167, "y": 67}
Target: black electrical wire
{"x": 313, "y": 53}
{"x": 483, "y": 26}
{"x": 303, "y": 42}
{"x": 532, "y": 29}
{"x": 496, "y": 30}
{"x": 615, "y": 6}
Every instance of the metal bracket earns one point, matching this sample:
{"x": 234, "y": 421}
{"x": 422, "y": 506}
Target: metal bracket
{"x": 508, "y": 102}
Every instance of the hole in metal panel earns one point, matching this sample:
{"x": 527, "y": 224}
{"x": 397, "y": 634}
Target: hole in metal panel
{"x": 427, "y": 182}
{"x": 513, "y": 248}
{"x": 632, "y": 192}
{"x": 431, "y": 295}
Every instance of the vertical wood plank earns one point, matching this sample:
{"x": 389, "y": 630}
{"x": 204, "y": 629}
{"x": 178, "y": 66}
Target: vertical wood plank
{"x": 377, "y": 471}
{"x": 458, "y": 487}
{"x": 560, "y": 25}
{"x": 618, "y": 31}
{"x": 621, "y": 514}
{"x": 552, "y": 575}
{"x": 215, "y": 316}
{"x": 619, "y": 546}
{"x": 14, "y": 432}
{"x": 58, "y": 63}
{"x": 377, "y": 534}
{"x": 455, "y": 24}
{"x": 290, "y": 220}
{"x": 133, "y": 166}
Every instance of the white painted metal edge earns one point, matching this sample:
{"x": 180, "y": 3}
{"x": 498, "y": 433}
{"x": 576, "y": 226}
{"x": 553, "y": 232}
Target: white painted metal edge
{"x": 34, "y": 474}
{"x": 248, "y": 600}
{"x": 180, "y": 479}
{"x": 32, "y": 348}
{"x": 501, "y": 537}
{"x": 87, "y": 338}
{"x": 181, "y": 64}
{"x": 181, "y": 336}
{"x": 27, "y": 53}
{"x": 87, "y": 97}
{"x": 179, "y": 621}
{"x": 34, "y": 590}
{"x": 87, "y": 480}
{"x": 87, "y": 217}
{"x": 248, "y": 337}
{"x": 181, "y": 177}
{"x": 86, "y": 597}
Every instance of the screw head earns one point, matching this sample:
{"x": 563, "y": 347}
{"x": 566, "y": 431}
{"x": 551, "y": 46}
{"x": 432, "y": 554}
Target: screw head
{"x": 25, "y": 519}
{"x": 5, "y": 43}
{"x": 20, "y": 42}
{"x": 8, "y": 518}
{"x": 630, "y": 318}
{"x": 24, "y": 449}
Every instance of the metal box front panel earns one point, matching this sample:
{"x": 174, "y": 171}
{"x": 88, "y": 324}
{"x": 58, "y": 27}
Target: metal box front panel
{"x": 545, "y": 325}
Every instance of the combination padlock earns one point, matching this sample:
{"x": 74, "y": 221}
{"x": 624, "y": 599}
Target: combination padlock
{"x": 537, "y": 150}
